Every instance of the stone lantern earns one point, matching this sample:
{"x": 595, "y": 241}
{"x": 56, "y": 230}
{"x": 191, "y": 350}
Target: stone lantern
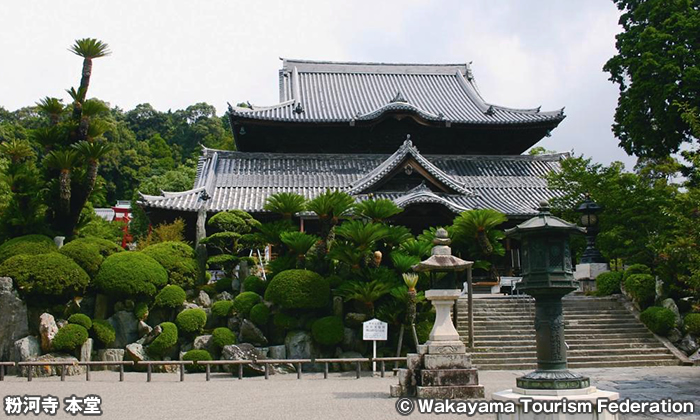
{"x": 592, "y": 263}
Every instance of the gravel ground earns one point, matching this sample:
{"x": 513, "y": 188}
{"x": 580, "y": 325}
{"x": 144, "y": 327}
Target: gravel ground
{"x": 340, "y": 397}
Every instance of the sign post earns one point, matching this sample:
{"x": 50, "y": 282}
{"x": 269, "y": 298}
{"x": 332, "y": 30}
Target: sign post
{"x": 374, "y": 330}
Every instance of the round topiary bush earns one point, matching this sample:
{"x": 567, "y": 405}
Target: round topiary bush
{"x": 224, "y": 284}
{"x": 608, "y": 283}
{"x": 80, "y": 319}
{"x": 254, "y": 284}
{"x": 196, "y": 355}
{"x": 69, "y": 338}
{"x": 141, "y": 311}
{"x": 328, "y": 331}
{"x": 131, "y": 273}
{"x": 165, "y": 340}
{"x": 222, "y": 337}
{"x": 26, "y": 245}
{"x": 178, "y": 260}
{"x": 636, "y": 269}
{"x": 285, "y": 321}
{"x": 244, "y": 302}
{"x": 692, "y": 324}
{"x": 642, "y": 288}
{"x": 103, "y": 331}
{"x": 89, "y": 253}
{"x": 298, "y": 289}
{"x": 49, "y": 274}
{"x": 259, "y": 314}
{"x": 171, "y": 296}
{"x": 191, "y": 321}
{"x": 222, "y": 308}
{"x": 658, "y": 319}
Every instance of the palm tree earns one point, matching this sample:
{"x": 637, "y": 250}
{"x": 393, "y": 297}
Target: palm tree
{"x": 362, "y": 234}
{"x": 16, "y": 150}
{"x": 346, "y": 253}
{"x": 299, "y": 243}
{"x": 92, "y": 153}
{"x": 364, "y": 292}
{"x": 377, "y": 210}
{"x": 477, "y": 230}
{"x": 286, "y": 204}
{"x": 64, "y": 161}
{"x": 89, "y": 49}
{"x": 330, "y": 207}
{"x": 53, "y": 107}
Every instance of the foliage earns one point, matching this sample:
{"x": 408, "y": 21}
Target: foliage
{"x": 417, "y": 248}
{"x": 642, "y": 288}
{"x": 178, "y": 260}
{"x": 328, "y": 331}
{"x": 254, "y": 284}
{"x": 259, "y": 314}
{"x": 191, "y": 321}
{"x": 26, "y": 245}
{"x": 196, "y": 355}
{"x": 402, "y": 262}
{"x": 69, "y": 337}
{"x": 244, "y": 302}
{"x": 299, "y": 242}
{"x": 285, "y": 203}
{"x": 233, "y": 221}
{"x": 222, "y": 337}
{"x": 270, "y": 233}
{"x": 423, "y": 330}
{"x": 298, "y": 289}
{"x": 608, "y": 283}
{"x": 49, "y": 274}
{"x": 365, "y": 292}
{"x": 80, "y": 319}
{"x": 224, "y": 284}
{"x": 89, "y": 253}
{"x": 103, "y": 331}
{"x": 362, "y": 234}
{"x": 285, "y": 321}
{"x": 659, "y": 320}
{"x": 165, "y": 232}
{"x": 377, "y": 210}
{"x": 164, "y": 341}
{"x": 636, "y": 269}
{"x": 692, "y": 324}
{"x": 141, "y": 310}
{"x": 222, "y": 308}
{"x": 475, "y": 231}
{"x": 130, "y": 273}
{"x": 171, "y": 296}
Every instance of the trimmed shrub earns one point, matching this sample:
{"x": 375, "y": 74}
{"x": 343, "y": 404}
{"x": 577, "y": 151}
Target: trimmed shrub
{"x": 692, "y": 324}
{"x": 89, "y": 253}
{"x": 178, "y": 260}
{"x": 164, "y": 341}
{"x": 171, "y": 296}
{"x": 222, "y": 337}
{"x": 636, "y": 269}
{"x": 608, "y": 283}
{"x": 259, "y": 314}
{"x": 191, "y": 320}
{"x": 658, "y": 319}
{"x": 131, "y": 273}
{"x": 103, "y": 331}
{"x": 141, "y": 311}
{"x": 50, "y": 274}
{"x": 196, "y": 355}
{"x": 244, "y": 302}
{"x": 222, "y": 308}
{"x": 642, "y": 288}
{"x": 328, "y": 331}
{"x": 69, "y": 338}
{"x": 334, "y": 281}
{"x": 254, "y": 284}
{"x": 224, "y": 285}
{"x": 26, "y": 245}
{"x": 81, "y": 319}
{"x": 285, "y": 321}
{"x": 298, "y": 289}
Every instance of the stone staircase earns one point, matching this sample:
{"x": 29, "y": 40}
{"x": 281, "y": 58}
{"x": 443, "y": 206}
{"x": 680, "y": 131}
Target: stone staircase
{"x": 600, "y": 332}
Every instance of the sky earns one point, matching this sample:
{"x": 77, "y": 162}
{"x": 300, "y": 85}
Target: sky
{"x": 175, "y": 53}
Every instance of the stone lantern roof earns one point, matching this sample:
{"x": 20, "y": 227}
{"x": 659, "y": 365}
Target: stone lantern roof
{"x": 442, "y": 258}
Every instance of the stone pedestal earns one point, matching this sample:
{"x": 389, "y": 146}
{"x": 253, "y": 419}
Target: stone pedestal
{"x": 443, "y": 330}
{"x": 587, "y": 273}
{"x": 584, "y": 395}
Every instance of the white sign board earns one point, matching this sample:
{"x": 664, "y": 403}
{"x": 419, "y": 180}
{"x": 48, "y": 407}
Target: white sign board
{"x": 374, "y": 329}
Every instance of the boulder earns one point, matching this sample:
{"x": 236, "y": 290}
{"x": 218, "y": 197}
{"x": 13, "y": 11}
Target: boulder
{"x": 251, "y": 334}
{"x": 338, "y": 306}
{"x": 14, "y": 321}
{"x": 675, "y": 335}
{"x": 670, "y": 304}
{"x": 695, "y": 357}
{"x": 148, "y": 338}
{"x": 354, "y": 319}
{"x": 300, "y": 345}
{"x": 234, "y": 323}
{"x": 26, "y": 348}
{"x": 185, "y": 347}
{"x": 688, "y": 345}
{"x": 223, "y": 296}
{"x": 188, "y": 305}
{"x": 158, "y": 316}
{"x": 203, "y": 342}
{"x": 47, "y": 330}
{"x": 277, "y": 352}
{"x": 243, "y": 351}
{"x": 203, "y": 299}
{"x": 101, "y": 306}
{"x": 110, "y": 355}
{"x": 658, "y": 289}
{"x": 236, "y": 285}
{"x": 166, "y": 368}
{"x": 144, "y": 328}
{"x": 136, "y": 352}
{"x": 352, "y": 341}
{"x": 86, "y": 351}
{"x": 60, "y": 323}
{"x": 346, "y": 367}
{"x": 47, "y": 370}
{"x": 126, "y": 328}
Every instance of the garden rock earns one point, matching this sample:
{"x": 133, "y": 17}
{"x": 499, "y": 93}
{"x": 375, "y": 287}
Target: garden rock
{"x": 277, "y": 352}
{"x": 670, "y": 304}
{"x": 110, "y": 355}
{"x": 688, "y": 345}
{"x": 338, "y": 306}
{"x": 695, "y": 357}
{"x": 203, "y": 342}
{"x": 126, "y": 328}
{"x": 14, "y": 322}
{"x": 148, "y": 338}
{"x": 86, "y": 350}
{"x": 203, "y": 299}
{"x": 47, "y": 330}
{"x": 144, "y": 329}
{"x": 101, "y": 306}
{"x": 234, "y": 323}
{"x": 346, "y": 367}
{"x": 243, "y": 351}
{"x": 251, "y": 334}
{"x": 352, "y": 341}
{"x": 223, "y": 296}
{"x": 26, "y": 348}
{"x": 136, "y": 352}
{"x": 675, "y": 335}
{"x": 300, "y": 345}
{"x": 47, "y": 370}
{"x": 60, "y": 323}
{"x": 354, "y": 319}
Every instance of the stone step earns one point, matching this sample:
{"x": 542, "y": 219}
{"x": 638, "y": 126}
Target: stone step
{"x": 477, "y": 359}
{"x": 508, "y": 317}
{"x": 628, "y": 326}
{"x": 574, "y": 354}
{"x": 580, "y": 365}
{"x": 570, "y": 335}
{"x": 496, "y": 346}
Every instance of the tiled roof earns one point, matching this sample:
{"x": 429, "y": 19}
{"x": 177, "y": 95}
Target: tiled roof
{"x": 312, "y": 91}
{"x": 243, "y": 180}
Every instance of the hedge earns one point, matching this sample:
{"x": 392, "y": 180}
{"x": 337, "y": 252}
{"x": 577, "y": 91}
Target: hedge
{"x": 131, "y": 273}
{"x": 222, "y": 308}
{"x": 254, "y": 284}
{"x": 89, "y": 253}
{"x": 636, "y": 269}
{"x": 692, "y": 324}
{"x": 103, "y": 331}
{"x": 298, "y": 289}
{"x": 222, "y": 337}
{"x": 178, "y": 260}
{"x": 642, "y": 288}
{"x": 171, "y": 296}
{"x": 80, "y": 319}
{"x": 26, "y": 245}
{"x": 259, "y": 314}
{"x": 49, "y": 274}
{"x": 191, "y": 320}
{"x": 165, "y": 340}
{"x": 328, "y": 331}
{"x": 608, "y": 283}
{"x": 69, "y": 338}
{"x": 244, "y": 302}
{"x": 658, "y": 319}
{"x": 196, "y": 355}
